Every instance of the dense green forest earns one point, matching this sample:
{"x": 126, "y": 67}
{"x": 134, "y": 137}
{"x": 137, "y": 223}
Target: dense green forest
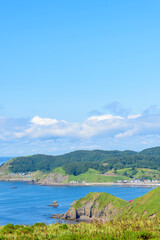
{"x": 78, "y": 162}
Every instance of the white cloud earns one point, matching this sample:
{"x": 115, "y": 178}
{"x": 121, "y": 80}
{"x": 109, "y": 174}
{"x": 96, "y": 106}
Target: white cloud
{"x": 102, "y": 130}
{"x": 104, "y": 117}
{"x": 103, "y": 125}
{"x": 43, "y": 121}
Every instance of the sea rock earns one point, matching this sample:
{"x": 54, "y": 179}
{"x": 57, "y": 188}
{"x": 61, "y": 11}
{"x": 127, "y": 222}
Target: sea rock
{"x": 54, "y": 204}
{"x": 58, "y": 215}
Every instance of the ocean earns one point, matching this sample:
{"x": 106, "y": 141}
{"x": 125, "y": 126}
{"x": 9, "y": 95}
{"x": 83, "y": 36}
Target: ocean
{"x": 28, "y": 203}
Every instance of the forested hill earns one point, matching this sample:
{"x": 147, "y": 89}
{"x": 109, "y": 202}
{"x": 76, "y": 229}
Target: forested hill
{"x": 80, "y": 161}
{"x": 154, "y": 152}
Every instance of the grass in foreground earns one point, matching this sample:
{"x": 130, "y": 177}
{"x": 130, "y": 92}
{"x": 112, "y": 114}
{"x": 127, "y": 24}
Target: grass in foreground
{"x": 122, "y": 229}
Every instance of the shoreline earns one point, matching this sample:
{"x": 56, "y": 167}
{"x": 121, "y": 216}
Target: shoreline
{"x": 107, "y": 184}
{"x": 140, "y": 184}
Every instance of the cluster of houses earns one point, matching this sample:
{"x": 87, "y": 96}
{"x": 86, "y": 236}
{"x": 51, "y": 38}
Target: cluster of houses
{"x": 28, "y": 175}
{"x": 138, "y": 181}
{"x": 125, "y": 181}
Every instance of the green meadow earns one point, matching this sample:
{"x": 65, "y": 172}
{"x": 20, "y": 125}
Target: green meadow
{"x": 119, "y": 229}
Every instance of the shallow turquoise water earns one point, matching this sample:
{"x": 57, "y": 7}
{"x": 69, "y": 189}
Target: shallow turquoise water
{"x": 28, "y": 203}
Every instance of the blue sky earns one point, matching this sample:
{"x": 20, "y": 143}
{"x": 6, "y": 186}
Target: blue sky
{"x": 79, "y": 75}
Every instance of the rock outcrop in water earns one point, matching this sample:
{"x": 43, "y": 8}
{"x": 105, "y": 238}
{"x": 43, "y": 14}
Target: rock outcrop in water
{"x": 54, "y": 204}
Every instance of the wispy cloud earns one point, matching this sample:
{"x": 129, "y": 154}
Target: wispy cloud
{"x": 98, "y": 130}
{"x": 152, "y": 110}
{"x": 117, "y": 109}
{"x": 95, "y": 112}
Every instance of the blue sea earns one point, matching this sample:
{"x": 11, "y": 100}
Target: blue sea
{"x": 28, "y": 203}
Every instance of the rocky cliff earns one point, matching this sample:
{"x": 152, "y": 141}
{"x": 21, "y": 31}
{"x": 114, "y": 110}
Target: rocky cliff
{"x": 53, "y": 178}
{"x": 95, "y": 206}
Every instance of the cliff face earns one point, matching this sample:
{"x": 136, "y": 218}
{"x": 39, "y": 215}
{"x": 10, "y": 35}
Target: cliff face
{"x": 88, "y": 211}
{"x": 53, "y": 178}
{"x": 96, "y": 206}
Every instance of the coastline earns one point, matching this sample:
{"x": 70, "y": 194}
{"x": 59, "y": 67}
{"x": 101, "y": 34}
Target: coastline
{"x": 108, "y": 184}
{"x": 137, "y": 184}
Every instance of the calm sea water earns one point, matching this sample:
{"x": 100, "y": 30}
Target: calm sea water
{"x": 28, "y": 203}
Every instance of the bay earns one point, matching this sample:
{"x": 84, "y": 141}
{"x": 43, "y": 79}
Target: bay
{"x": 28, "y": 203}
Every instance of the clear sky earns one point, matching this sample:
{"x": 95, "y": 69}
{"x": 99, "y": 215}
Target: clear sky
{"x": 79, "y": 75}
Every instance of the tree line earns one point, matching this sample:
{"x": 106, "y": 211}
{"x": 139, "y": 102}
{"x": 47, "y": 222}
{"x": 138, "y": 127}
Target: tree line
{"x": 78, "y": 162}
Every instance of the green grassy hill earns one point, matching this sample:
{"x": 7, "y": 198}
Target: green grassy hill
{"x": 96, "y": 205}
{"x": 100, "y": 200}
{"x": 104, "y": 206}
{"x": 145, "y": 206}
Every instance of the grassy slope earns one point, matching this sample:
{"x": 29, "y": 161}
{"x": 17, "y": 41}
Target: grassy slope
{"x": 5, "y": 167}
{"x": 59, "y": 170}
{"x": 101, "y": 199}
{"x": 150, "y": 173}
{"x": 94, "y": 176}
{"x": 145, "y": 206}
{"x": 105, "y": 198}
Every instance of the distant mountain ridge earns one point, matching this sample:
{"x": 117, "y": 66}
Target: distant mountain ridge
{"x": 155, "y": 151}
{"x": 80, "y": 161}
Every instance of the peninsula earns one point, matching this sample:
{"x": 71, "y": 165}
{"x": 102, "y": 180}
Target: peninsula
{"x": 105, "y": 207}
